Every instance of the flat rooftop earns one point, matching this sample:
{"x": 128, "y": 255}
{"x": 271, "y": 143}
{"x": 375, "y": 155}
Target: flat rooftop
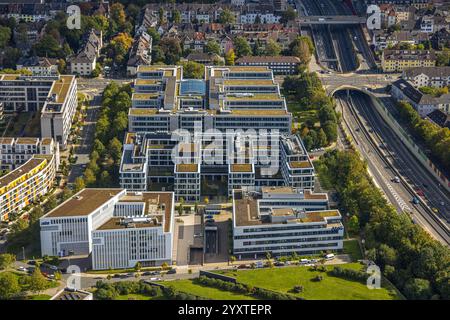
{"x": 61, "y": 87}
{"x": 187, "y": 167}
{"x": 246, "y": 212}
{"x": 24, "y": 169}
{"x": 83, "y": 203}
{"x": 300, "y": 164}
{"x": 244, "y": 167}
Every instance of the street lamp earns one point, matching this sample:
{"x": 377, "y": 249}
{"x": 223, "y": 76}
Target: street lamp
{"x": 23, "y": 252}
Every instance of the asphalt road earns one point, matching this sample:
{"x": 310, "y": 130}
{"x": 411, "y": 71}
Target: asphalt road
{"x": 364, "y": 122}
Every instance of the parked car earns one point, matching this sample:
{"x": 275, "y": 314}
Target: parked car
{"x": 415, "y": 200}
{"x": 147, "y": 273}
{"x": 329, "y": 256}
{"x": 32, "y": 262}
{"x": 21, "y": 268}
{"x": 172, "y": 271}
{"x": 116, "y": 275}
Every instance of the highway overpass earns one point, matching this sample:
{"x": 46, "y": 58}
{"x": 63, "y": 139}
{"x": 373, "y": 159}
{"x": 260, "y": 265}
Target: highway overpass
{"x": 338, "y": 20}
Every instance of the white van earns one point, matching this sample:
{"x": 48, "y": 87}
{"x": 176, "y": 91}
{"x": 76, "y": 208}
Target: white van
{"x": 329, "y": 256}
{"x": 304, "y": 261}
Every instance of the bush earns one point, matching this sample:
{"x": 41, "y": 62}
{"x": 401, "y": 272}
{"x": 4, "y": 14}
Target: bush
{"x": 348, "y": 274}
{"x": 298, "y": 289}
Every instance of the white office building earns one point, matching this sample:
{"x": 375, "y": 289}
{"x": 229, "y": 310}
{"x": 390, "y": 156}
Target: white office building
{"x": 281, "y": 221}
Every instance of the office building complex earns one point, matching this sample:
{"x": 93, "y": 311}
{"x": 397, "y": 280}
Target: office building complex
{"x": 282, "y": 221}
{"x": 118, "y": 228}
{"x": 228, "y": 98}
{"x": 153, "y": 160}
{"x": 54, "y": 96}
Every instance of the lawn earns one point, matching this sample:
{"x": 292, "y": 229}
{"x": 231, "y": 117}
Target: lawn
{"x": 207, "y": 292}
{"x": 352, "y": 248}
{"x": 137, "y": 296}
{"x": 38, "y": 297}
{"x": 330, "y": 288}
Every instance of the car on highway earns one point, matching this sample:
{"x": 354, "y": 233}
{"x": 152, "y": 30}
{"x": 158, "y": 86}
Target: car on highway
{"x": 396, "y": 179}
{"x": 415, "y": 200}
{"x": 435, "y": 210}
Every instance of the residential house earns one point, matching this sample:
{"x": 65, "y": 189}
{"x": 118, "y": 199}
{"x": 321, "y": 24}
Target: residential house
{"x": 39, "y": 66}
{"x": 399, "y": 60}
{"x": 437, "y": 77}
{"x": 140, "y": 53}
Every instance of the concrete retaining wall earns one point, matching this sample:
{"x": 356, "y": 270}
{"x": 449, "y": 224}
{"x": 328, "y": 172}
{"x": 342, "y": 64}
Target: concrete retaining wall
{"x": 409, "y": 143}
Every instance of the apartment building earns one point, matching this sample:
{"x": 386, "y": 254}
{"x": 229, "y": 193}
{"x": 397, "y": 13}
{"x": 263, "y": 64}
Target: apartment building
{"x": 280, "y": 65}
{"x": 156, "y": 160}
{"x": 117, "y": 228}
{"x": 55, "y": 96}
{"x": 84, "y": 62}
{"x": 39, "y": 66}
{"x": 282, "y": 221}
{"x": 26, "y": 184}
{"x": 423, "y": 103}
{"x": 437, "y": 77}
{"x": 399, "y": 60}
{"x": 140, "y": 53}
{"x": 16, "y": 151}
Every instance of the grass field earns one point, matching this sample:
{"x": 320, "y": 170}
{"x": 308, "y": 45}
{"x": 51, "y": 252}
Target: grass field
{"x": 330, "y": 288}
{"x": 352, "y": 248}
{"x": 207, "y": 292}
{"x": 39, "y": 297}
{"x": 137, "y": 296}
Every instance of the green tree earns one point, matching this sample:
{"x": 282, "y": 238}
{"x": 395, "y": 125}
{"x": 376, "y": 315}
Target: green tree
{"x": 48, "y": 46}
{"x": 115, "y": 149}
{"x": 89, "y": 177}
{"x": 418, "y": 289}
{"x": 37, "y": 281}
{"x": 227, "y": 17}
{"x": 105, "y": 179}
{"x": 79, "y": 184}
{"x": 193, "y": 70}
{"x": 51, "y": 202}
{"x": 353, "y": 224}
{"x": 230, "y": 57}
{"x": 35, "y": 214}
{"x": 289, "y": 15}
{"x": 6, "y": 259}
{"x": 176, "y": 16}
{"x": 273, "y": 48}
{"x": 242, "y": 47}
{"x": 155, "y": 35}
{"x": 5, "y": 36}
{"x": 9, "y": 285}
{"x": 212, "y": 46}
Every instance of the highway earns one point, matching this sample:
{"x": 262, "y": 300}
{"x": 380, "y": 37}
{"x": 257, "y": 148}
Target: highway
{"x": 369, "y": 132}
{"x": 332, "y": 42}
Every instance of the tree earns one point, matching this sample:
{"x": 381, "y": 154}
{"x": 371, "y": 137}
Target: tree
{"x": 48, "y": 46}
{"x": 418, "y": 289}
{"x": 300, "y": 48}
{"x": 176, "y": 16}
{"x": 138, "y": 267}
{"x": 273, "y": 48}
{"x": 227, "y": 17}
{"x": 242, "y": 47}
{"x": 117, "y": 14}
{"x": 89, "y": 177}
{"x": 9, "y": 285}
{"x": 67, "y": 193}
{"x": 353, "y": 224}
{"x": 322, "y": 138}
{"x": 154, "y": 34}
{"x": 105, "y": 179}
{"x": 232, "y": 259}
{"x": 230, "y": 57}
{"x": 119, "y": 46}
{"x": 212, "y": 46}
{"x": 289, "y": 15}
{"x": 37, "y": 281}
{"x": 115, "y": 149}
{"x": 193, "y": 70}
{"x": 35, "y": 214}
{"x": 172, "y": 50}
{"x": 5, "y": 36}
{"x": 99, "y": 147}
{"x": 79, "y": 184}
{"x": 120, "y": 123}
{"x": 6, "y": 260}
{"x": 51, "y": 202}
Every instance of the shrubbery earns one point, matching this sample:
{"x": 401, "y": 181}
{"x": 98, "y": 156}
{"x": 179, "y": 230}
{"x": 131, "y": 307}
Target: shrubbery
{"x": 348, "y": 274}
{"x": 414, "y": 262}
{"x": 260, "y": 293}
